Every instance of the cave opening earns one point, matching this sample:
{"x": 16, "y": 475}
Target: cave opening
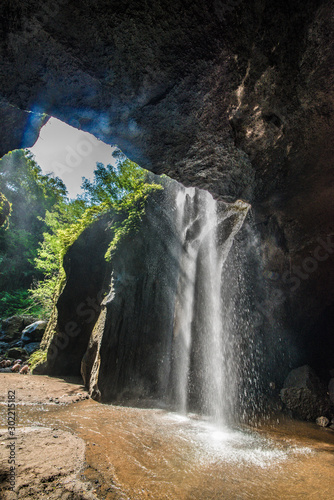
{"x": 276, "y": 349}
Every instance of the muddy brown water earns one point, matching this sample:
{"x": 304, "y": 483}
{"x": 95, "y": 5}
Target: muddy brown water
{"x": 139, "y": 454}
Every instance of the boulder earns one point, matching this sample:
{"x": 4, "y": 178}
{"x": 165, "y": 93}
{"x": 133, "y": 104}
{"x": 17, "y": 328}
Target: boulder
{"x": 17, "y": 352}
{"x": 3, "y": 347}
{"x": 322, "y": 421}
{"x": 304, "y": 394}
{"x": 303, "y": 377}
{"x": 15, "y": 343}
{"x": 32, "y": 347}
{"x": 12, "y": 327}
{"x": 33, "y": 332}
{"x": 5, "y": 370}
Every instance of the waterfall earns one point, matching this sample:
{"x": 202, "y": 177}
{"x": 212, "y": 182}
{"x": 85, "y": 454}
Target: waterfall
{"x": 202, "y": 366}
{"x": 173, "y": 329}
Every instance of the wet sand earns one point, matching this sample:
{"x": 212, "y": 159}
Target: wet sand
{"x": 112, "y": 452}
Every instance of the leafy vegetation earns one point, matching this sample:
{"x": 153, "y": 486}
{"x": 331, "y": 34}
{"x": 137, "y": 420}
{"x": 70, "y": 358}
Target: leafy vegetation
{"x": 122, "y": 189}
{"x": 61, "y": 224}
{"x": 30, "y": 194}
{"x": 5, "y": 209}
{"x": 18, "y": 302}
{"x": 38, "y": 357}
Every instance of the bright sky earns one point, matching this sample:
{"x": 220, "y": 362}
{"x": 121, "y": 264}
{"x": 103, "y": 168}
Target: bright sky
{"x": 69, "y": 154}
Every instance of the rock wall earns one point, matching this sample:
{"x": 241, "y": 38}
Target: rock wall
{"x": 119, "y": 314}
{"x": 130, "y": 344}
{"x": 79, "y": 304}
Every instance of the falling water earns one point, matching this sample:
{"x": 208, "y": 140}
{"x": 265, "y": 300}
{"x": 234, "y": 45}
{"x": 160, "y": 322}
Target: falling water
{"x": 202, "y": 373}
{"x": 184, "y": 306}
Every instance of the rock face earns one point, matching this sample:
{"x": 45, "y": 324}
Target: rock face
{"x": 137, "y": 299}
{"x": 322, "y": 421}
{"x": 126, "y": 355}
{"x": 184, "y": 89}
{"x": 80, "y": 302}
{"x": 233, "y": 96}
{"x": 305, "y": 395}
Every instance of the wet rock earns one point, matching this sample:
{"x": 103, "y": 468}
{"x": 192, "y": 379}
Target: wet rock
{"x": 33, "y": 332}
{"x": 304, "y": 394}
{"x": 5, "y": 370}
{"x": 15, "y": 343}
{"x": 322, "y": 421}
{"x": 3, "y": 346}
{"x": 303, "y": 377}
{"x": 32, "y": 347}
{"x": 12, "y": 327}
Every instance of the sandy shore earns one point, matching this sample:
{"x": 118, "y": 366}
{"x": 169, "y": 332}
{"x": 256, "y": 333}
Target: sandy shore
{"x": 40, "y": 462}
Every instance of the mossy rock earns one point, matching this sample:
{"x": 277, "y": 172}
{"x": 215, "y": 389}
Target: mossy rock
{"x": 12, "y": 327}
{"x": 17, "y": 352}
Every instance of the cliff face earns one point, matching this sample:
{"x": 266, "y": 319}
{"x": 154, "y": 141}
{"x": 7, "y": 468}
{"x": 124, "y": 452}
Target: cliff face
{"x": 79, "y": 304}
{"x": 232, "y": 96}
{"x": 128, "y": 354}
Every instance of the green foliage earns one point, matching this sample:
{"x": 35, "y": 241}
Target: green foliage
{"x": 132, "y": 208}
{"x": 112, "y": 182}
{"x": 17, "y": 302}
{"x": 5, "y": 209}
{"x": 124, "y": 189}
{"x": 37, "y": 358}
{"x": 64, "y": 225}
{"x": 30, "y": 194}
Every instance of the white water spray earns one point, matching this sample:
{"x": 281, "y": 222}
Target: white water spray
{"x": 201, "y": 345}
